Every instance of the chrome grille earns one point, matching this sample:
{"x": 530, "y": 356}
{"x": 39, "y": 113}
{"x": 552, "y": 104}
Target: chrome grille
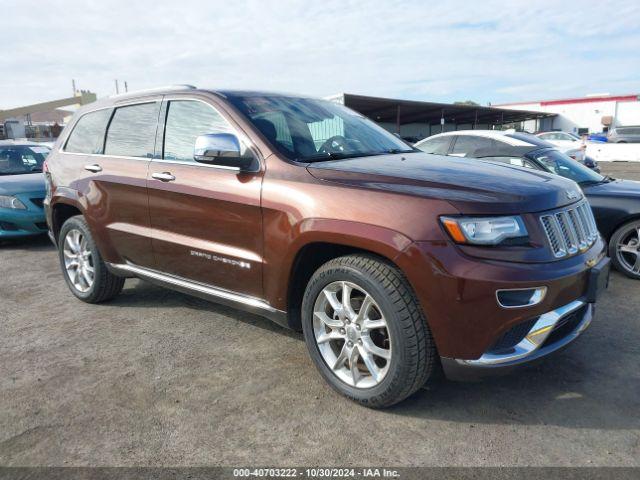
{"x": 570, "y": 230}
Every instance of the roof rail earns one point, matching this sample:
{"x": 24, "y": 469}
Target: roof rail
{"x": 155, "y": 89}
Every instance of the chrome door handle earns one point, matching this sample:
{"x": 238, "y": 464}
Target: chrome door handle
{"x": 95, "y": 168}
{"x": 164, "y": 176}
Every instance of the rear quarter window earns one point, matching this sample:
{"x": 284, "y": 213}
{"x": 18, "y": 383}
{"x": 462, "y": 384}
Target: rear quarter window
{"x": 87, "y": 135}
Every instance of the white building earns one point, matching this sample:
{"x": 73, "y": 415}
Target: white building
{"x": 590, "y": 114}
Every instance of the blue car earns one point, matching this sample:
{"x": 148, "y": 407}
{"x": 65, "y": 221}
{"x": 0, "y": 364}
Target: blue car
{"x": 598, "y": 137}
{"x": 22, "y": 189}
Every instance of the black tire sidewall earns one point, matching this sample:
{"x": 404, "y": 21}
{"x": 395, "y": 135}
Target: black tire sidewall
{"x": 613, "y": 251}
{"x": 77, "y": 223}
{"x": 393, "y": 378}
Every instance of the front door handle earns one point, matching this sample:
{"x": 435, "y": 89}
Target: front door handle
{"x": 95, "y": 168}
{"x": 164, "y": 176}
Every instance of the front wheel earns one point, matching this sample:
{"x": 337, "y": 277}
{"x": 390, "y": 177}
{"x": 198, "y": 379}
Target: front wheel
{"x": 365, "y": 330}
{"x": 624, "y": 249}
{"x": 84, "y": 270}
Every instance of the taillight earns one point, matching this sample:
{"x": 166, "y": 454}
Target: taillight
{"x": 45, "y": 167}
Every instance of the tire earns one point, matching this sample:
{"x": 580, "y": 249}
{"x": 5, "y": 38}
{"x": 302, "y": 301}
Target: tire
{"x": 411, "y": 350}
{"x": 104, "y": 285}
{"x": 626, "y": 262}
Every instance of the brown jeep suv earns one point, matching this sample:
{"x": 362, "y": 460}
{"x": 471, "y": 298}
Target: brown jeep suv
{"x": 393, "y": 262}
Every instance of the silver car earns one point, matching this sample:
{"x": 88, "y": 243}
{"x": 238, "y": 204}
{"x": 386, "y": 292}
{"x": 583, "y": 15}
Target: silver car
{"x": 624, "y": 134}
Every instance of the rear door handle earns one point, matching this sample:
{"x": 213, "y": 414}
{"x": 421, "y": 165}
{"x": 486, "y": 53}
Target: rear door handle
{"x": 95, "y": 168}
{"x": 164, "y": 176}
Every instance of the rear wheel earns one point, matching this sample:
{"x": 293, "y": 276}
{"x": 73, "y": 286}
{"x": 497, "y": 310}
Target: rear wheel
{"x": 84, "y": 270}
{"x": 624, "y": 249}
{"x": 366, "y": 332}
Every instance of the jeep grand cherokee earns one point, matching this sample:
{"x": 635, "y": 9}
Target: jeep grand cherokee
{"x": 393, "y": 262}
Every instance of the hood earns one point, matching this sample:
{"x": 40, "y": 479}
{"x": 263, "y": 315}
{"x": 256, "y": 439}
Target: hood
{"x": 16, "y": 184}
{"x": 470, "y": 185}
{"x": 616, "y": 188}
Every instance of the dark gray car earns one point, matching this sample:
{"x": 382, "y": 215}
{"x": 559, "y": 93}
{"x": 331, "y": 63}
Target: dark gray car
{"x": 629, "y": 134}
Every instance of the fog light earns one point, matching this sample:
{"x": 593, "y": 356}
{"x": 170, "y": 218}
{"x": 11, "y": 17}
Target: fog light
{"x": 520, "y": 297}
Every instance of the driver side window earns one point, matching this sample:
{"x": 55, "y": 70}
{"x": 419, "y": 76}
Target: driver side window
{"x": 186, "y": 120}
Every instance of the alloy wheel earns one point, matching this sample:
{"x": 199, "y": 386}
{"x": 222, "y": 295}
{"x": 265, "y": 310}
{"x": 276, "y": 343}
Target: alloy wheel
{"x": 78, "y": 261}
{"x": 352, "y": 335}
{"x": 628, "y": 250}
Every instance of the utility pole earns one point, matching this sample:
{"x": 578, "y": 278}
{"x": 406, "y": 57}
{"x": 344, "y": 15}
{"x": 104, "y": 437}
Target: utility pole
{"x": 73, "y": 85}
{"x": 126, "y": 87}
{"x": 117, "y": 88}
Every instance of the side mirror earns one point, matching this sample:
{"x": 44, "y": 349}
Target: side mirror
{"x": 222, "y": 149}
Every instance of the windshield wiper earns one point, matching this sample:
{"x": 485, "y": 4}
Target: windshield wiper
{"x": 323, "y": 157}
{"x": 393, "y": 151}
{"x": 596, "y": 182}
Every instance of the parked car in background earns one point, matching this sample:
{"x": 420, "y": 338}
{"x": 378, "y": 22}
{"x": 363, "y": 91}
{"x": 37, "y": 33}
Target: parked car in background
{"x": 564, "y": 140}
{"x": 571, "y": 144}
{"x": 629, "y": 134}
{"x": 598, "y": 137}
{"x": 392, "y": 262}
{"x": 615, "y": 203}
{"x": 22, "y": 189}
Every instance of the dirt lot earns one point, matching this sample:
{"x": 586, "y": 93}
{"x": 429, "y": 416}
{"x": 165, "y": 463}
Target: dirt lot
{"x": 159, "y": 378}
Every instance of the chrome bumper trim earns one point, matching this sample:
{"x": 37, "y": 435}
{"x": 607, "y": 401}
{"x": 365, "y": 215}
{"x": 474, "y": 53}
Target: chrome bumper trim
{"x": 530, "y": 347}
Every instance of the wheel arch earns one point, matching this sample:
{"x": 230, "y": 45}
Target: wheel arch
{"x": 313, "y": 249}
{"x": 61, "y": 211}
{"x": 633, "y": 217}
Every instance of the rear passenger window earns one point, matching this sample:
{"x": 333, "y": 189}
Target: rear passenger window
{"x": 474, "y": 146}
{"x": 186, "y": 120}
{"x": 88, "y": 134}
{"x": 132, "y": 131}
{"x": 437, "y": 146}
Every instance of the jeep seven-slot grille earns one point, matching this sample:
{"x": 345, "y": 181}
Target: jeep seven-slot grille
{"x": 570, "y": 230}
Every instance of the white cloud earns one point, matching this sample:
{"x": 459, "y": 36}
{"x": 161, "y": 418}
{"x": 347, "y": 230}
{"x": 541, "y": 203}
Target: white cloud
{"x": 485, "y": 51}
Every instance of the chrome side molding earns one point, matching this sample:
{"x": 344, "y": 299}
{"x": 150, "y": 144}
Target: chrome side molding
{"x": 204, "y": 291}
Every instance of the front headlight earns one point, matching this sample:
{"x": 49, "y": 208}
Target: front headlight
{"x": 7, "y": 201}
{"x": 484, "y": 230}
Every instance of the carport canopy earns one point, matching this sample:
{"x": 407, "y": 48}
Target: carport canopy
{"x": 402, "y": 112}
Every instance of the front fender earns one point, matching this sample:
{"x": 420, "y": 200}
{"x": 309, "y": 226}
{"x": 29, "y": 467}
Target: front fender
{"x": 281, "y": 251}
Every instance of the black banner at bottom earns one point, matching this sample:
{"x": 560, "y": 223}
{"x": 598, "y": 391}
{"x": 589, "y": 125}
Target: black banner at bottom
{"x": 402, "y": 473}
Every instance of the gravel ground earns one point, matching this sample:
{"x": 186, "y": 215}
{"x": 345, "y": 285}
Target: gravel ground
{"x": 159, "y": 378}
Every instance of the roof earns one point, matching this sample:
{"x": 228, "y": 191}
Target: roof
{"x": 411, "y": 111}
{"x": 377, "y": 108}
{"x": 509, "y": 137}
{"x": 633, "y": 97}
{"x": 20, "y": 143}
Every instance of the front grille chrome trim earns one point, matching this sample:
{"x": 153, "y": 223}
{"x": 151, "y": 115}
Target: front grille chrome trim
{"x": 571, "y": 230}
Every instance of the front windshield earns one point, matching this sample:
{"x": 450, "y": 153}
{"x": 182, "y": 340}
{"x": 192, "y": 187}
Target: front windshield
{"x": 308, "y": 129}
{"x": 561, "y": 164}
{"x": 21, "y": 159}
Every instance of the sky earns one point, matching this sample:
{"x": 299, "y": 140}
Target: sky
{"x": 485, "y": 51}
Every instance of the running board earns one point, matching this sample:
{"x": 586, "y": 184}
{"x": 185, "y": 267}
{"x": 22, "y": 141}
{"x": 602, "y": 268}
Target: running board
{"x": 204, "y": 291}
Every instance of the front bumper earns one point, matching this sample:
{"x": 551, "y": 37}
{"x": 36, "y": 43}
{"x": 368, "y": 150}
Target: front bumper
{"x": 458, "y": 294}
{"x": 552, "y": 331}
{"x": 21, "y": 223}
